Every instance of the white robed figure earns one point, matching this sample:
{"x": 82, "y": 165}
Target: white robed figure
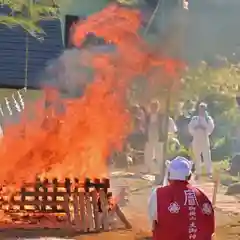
{"x": 201, "y": 127}
{"x": 155, "y": 122}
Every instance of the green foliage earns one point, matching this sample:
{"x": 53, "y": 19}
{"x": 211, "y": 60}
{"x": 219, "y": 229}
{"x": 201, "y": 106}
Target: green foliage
{"x": 217, "y": 86}
{"x": 27, "y": 14}
{"x": 173, "y": 152}
{"x": 221, "y": 149}
{"x": 26, "y": 24}
{"x": 202, "y": 81}
{"x": 225, "y": 112}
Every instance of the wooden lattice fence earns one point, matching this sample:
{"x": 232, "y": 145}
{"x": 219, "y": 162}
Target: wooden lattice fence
{"x": 84, "y": 205}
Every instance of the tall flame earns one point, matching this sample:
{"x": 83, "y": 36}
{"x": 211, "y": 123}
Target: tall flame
{"x": 77, "y": 142}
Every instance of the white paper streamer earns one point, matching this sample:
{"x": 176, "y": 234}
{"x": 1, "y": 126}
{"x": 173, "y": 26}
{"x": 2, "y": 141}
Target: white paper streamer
{"x": 16, "y": 104}
{"x": 21, "y": 100}
{"x": 8, "y": 106}
{"x": 17, "y": 100}
{"x": 1, "y": 110}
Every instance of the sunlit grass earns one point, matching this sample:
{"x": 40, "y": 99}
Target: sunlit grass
{"x": 30, "y": 95}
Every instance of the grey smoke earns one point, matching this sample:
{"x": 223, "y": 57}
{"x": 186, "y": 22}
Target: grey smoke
{"x": 72, "y": 71}
{"x": 213, "y": 30}
{"x": 209, "y": 28}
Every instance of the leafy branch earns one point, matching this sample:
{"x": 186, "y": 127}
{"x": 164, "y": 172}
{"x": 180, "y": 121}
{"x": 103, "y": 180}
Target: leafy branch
{"x": 27, "y": 14}
{"x": 205, "y": 80}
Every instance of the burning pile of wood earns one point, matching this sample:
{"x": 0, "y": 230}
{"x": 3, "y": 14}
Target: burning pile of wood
{"x": 86, "y": 206}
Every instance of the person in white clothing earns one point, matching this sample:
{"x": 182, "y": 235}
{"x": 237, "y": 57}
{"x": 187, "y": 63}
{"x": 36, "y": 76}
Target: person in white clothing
{"x": 201, "y": 127}
{"x": 155, "y": 122}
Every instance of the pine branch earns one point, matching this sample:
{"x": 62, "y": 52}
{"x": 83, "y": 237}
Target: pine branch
{"x": 27, "y": 15}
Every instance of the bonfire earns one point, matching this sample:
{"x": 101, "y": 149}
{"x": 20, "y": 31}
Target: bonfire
{"x": 75, "y": 144}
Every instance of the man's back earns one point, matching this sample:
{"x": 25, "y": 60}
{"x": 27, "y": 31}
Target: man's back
{"x": 187, "y": 209}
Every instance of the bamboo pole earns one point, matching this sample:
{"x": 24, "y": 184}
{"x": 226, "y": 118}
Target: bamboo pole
{"x": 122, "y": 217}
{"x": 152, "y": 18}
{"x": 165, "y": 130}
{"x": 215, "y": 190}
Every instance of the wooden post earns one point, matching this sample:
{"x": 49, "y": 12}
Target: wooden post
{"x": 89, "y": 217}
{"x": 66, "y": 207}
{"x": 36, "y": 189}
{"x": 68, "y": 185}
{"x": 89, "y": 211}
{"x": 82, "y": 211}
{"x": 55, "y": 190}
{"x": 95, "y": 210}
{"x": 215, "y": 190}
{"x": 23, "y": 190}
{"x": 104, "y": 208}
{"x": 97, "y": 184}
{"x": 122, "y": 217}
{"x": 45, "y": 198}
{"x": 66, "y": 198}
{"x": 76, "y": 205}
{"x": 106, "y": 184}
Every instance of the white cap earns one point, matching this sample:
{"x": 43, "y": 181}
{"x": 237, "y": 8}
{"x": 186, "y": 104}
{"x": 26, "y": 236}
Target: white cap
{"x": 179, "y": 169}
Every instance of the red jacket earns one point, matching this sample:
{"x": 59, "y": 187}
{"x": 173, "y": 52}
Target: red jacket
{"x": 184, "y": 213}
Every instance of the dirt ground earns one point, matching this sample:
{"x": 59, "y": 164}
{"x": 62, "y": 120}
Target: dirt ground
{"x": 228, "y": 225}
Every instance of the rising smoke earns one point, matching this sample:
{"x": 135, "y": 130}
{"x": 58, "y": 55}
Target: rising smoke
{"x": 212, "y": 30}
{"x": 208, "y": 29}
{"x": 72, "y": 71}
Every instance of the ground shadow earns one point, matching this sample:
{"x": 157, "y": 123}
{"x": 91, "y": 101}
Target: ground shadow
{"x": 37, "y": 233}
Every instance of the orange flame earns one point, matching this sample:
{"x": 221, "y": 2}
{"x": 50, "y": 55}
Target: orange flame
{"x": 78, "y": 142}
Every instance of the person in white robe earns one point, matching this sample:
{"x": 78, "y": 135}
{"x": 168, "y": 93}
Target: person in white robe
{"x": 201, "y": 127}
{"x": 153, "y": 153}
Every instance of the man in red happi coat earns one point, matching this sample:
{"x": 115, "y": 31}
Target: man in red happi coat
{"x": 180, "y": 211}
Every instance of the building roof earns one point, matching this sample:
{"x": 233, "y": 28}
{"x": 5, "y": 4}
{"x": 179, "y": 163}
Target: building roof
{"x": 13, "y": 53}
